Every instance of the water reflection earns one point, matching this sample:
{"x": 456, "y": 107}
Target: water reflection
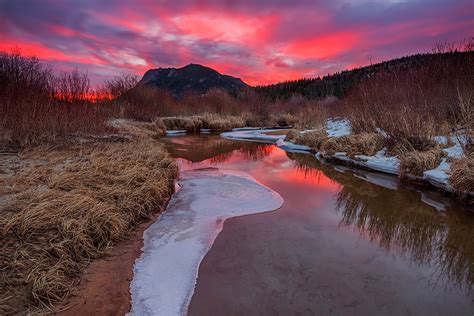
{"x": 398, "y": 220}
{"x": 198, "y": 148}
{"x": 388, "y": 214}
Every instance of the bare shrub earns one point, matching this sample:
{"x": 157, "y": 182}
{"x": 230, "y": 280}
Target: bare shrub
{"x": 145, "y": 103}
{"x": 119, "y": 86}
{"x": 414, "y": 104}
{"x": 72, "y": 87}
{"x": 32, "y": 112}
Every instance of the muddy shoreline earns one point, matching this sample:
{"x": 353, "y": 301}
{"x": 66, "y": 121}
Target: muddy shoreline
{"x": 104, "y": 288}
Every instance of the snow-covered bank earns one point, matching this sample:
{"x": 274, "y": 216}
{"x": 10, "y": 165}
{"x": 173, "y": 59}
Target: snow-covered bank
{"x": 381, "y": 161}
{"x": 338, "y": 127}
{"x": 439, "y": 176}
{"x": 165, "y": 274}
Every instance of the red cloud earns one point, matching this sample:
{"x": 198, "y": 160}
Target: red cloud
{"x": 225, "y": 26}
{"x": 261, "y": 43}
{"x": 324, "y": 46}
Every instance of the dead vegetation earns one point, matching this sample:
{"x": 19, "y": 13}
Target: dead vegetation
{"x": 415, "y": 162}
{"x": 313, "y": 139}
{"x": 415, "y": 104}
{"x": 143, "y": 130}
{"x": 72, "y": 184}
{"x": 462, "y": 174}
{"x": 355, "y": 144}
{"x": 62, "y": 208}
{"x": 37, "y": 107}
{"x": 193, "y": 124}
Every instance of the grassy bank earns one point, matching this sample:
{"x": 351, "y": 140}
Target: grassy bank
{"x": 63, "y": 206}
{"x": 72, "y": 185}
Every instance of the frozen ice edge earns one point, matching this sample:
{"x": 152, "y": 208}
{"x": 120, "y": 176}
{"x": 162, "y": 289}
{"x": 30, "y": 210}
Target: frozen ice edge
{"x": 165, "y": 274}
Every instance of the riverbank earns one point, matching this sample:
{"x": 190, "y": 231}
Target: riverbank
{"x": 68, "y": 203}
{"x": 443, "y": 166}
{"x": 104, "y": 288}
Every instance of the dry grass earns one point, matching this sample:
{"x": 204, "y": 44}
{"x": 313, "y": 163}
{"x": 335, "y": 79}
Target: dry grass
{"x": 154, "y": 130}
{"x": 193, "y": 124}
{"x": 313, "y": 139}
{"x": 415, "y": 162}
{"x": 62, "y": 207}
{"x": 356, "y": 144}
{"x": 462, "y": 174}
{"x": 221, "y": 123}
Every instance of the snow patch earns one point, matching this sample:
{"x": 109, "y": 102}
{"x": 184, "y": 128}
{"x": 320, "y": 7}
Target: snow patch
{"x": 381, "y": 162}
{"x": 439, "y": 176}
{"x": 166, "y": 272}
{"x": 338, "y": 127}
{"x": 454, "y": 151}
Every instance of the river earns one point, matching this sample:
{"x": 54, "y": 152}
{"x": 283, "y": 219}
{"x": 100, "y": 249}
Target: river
{"x": 339, "y": 245}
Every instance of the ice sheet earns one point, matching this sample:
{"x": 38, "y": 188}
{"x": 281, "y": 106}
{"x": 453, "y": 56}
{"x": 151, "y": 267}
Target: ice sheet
{"x": 292, "y": 147}
{"x": 175, "y": 132}
{"x": 256, "y": 135}
{"x": 166, "y": 272}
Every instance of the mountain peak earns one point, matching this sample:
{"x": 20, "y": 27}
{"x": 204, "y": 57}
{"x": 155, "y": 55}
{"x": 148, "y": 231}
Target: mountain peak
{"x": 191, "y": 78}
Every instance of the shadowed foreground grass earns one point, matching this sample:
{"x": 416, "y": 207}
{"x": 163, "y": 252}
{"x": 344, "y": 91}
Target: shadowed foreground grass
{"x": 62, "y": 207}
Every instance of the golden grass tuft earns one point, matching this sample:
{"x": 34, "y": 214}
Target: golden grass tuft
{"x": 356, "y": 144}
{"x": 63, "y": 207}
{"x": 220, "y": 123}
{"x": 313, "y": 139}
{"x": 193, "y": 124}
{"x": 414, "y": 162}
{"x": 462, "y": 174}
{"x": 145, "y": 130}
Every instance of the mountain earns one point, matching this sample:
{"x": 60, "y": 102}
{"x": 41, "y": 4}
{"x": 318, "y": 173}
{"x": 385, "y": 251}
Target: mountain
{"x": 340, "y": 83}
{"x": 191, "y": 78}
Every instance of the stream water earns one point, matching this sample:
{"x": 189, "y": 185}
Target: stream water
{"x": 344, "y": 242}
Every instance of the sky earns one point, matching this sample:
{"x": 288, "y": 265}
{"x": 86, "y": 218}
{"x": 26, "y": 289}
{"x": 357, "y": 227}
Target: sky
{"x": 261, "y": 42}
